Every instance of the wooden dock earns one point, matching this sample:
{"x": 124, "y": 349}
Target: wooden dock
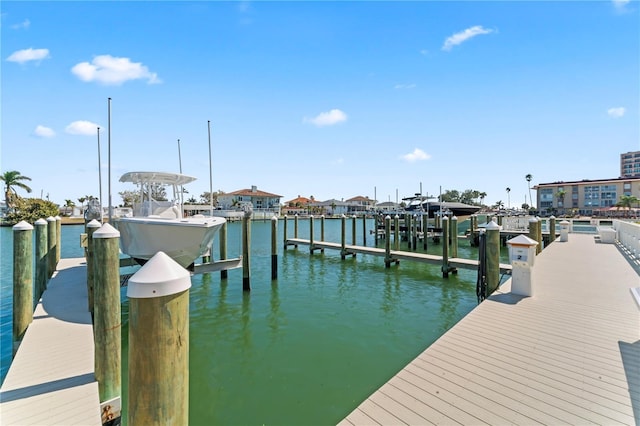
{"x": 395, "y": 255}
{"x": 51, "y": 379}
{"x": 568, "y": 355}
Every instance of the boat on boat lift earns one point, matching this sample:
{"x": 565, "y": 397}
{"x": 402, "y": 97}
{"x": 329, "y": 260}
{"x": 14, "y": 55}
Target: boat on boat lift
{"x": 160, "y": 225}
{"x": 420, "y": 204}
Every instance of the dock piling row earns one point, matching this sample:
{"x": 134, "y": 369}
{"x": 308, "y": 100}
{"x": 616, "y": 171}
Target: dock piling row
{"x": 22, "y": 281}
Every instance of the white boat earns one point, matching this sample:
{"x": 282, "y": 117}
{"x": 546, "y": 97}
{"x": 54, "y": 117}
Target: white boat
{"x": 160, "y": 225}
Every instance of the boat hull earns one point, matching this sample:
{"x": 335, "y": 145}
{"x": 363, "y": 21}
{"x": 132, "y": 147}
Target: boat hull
{"x": 184, "y": 240}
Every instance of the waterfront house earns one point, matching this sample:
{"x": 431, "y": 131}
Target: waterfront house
{"x": 260, "y": 201}
{"x": 298, "y": 206}
{"x": 360, "y": 204}
{"x": 332, "y": 207}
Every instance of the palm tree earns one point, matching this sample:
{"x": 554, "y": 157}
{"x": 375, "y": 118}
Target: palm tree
{"x": 627, "y": 201}
{"x": 68, "y": 204}
{"x": 82, "y": 200}
{"x": 560, "y": 196}
{"x": 528, "y": 178}
{"x": 508, "y": 198}
{"x": 482, "y": 195}
{"x": 13, "y": 179}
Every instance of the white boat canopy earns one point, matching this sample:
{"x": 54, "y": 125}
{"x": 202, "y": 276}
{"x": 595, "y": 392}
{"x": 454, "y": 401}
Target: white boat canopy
{"x": 163, "y": 178}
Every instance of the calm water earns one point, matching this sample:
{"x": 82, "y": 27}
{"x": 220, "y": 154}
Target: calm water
{"x": 308, "y": 347}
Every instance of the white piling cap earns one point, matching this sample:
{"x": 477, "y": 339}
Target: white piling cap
{"x": 40, "y": 222}
{"x": 94, "y": 224}
{"x": 106, "y": 231}
{"x": 160, "y": 276}
{"x": 533, "y": 219}
{"x": 454, "y": 218}
{"x": 22, "y": 226}
{"x": 492, "y": 226}
{"x": 522, "y": 240}
{"x": 51, "y": 219}
{"x": 58, "y": 218}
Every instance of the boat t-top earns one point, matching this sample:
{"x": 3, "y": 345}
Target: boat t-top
{"x": 160, "y": 225}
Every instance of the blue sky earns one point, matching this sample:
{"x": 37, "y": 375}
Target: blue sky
{"x": 330, "y": 99}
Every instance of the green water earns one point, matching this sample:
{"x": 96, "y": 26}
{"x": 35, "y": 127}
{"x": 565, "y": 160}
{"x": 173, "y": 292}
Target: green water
{"x": 308, "y": 347}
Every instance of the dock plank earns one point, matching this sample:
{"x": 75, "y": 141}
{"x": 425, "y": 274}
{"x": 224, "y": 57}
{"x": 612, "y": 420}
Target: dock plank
{"x": 568, "y": 355}
{"x": 51, "y": 379}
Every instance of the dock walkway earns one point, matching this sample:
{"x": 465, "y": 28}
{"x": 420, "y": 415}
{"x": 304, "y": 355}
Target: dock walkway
{"x": 51, "y": 379}
{"x": 568, "y": 355}
{"x": 395, "y": 255}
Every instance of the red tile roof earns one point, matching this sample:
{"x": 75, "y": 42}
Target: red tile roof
{"x": 253, "y": 193}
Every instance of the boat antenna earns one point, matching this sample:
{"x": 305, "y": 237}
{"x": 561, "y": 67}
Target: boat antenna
{"x": 99, "y": 175}
{"x": 181, "y": 187}
{"x": 210, "y": 170}
{"x": 109, "y": 156}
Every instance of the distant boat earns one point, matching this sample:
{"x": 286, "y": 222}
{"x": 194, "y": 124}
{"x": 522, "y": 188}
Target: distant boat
{"x": 435, "y": 208}
{"x": 160, "y": 225}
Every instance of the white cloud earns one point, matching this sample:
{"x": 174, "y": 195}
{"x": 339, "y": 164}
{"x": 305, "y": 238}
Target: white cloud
{"x": 82, "y": 127}
{"x": 616, "y": 112}
{"x": 30, "y": 54}
{"x": 22, "y": 25}
{"x": 329, "y": 118}
{"x": 43, "y": 132}
{"x": 424, "y": 52}
{"x": 416, "y": 155}
{"x": 463, "y": 36}
{"x": 405, "y": 86}
{"x": 110, "y": 70}
{"x": 620, "y": 5}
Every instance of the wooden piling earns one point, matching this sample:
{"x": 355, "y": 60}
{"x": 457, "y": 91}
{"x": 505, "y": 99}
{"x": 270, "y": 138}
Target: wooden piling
{"x": 353, "y": 229}
{"x": 22, "y": 281}
{"x": 364, "y": 230}
{"x": 425, "y": 231}
{"x": 246, "y": 251}
{"x": 445, "y": 247}
{"x": 493, "y": 257}
{"x": 322, "y": 231}
{"x": 42, "y": 267}
{"x": 274, "y": 248}
{"x": 51, "y": 241}
{"x": 396, "y": 232}
{"x": 539, "y": 239}
{"x": 387, "y": 241}
{"x": 58, "y": 238}
{"x": 285, "y": 231}
{"x": 159, "y": 343}
{"x": 223, "y": 249}
{"x": 534, "y": 227}
{"x": 91, "y": 227}
{"x": 454, "y": 236}
{"x": 107, "y": 319}
{"x": 414, "y": 233}
{"x": 295, "y": 227}
{"x": 343, "y": 237}
{"x": 552, "y": 229}
{"x": 311, "y": 221}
